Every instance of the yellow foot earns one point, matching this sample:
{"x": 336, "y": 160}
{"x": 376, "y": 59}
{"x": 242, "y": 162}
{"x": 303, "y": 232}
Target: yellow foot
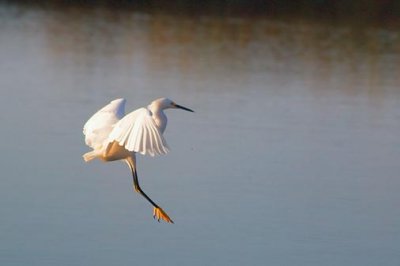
{"x": 159, "y": 213}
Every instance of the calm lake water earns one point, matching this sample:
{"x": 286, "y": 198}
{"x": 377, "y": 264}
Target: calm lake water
{"x": 291, "y": 158}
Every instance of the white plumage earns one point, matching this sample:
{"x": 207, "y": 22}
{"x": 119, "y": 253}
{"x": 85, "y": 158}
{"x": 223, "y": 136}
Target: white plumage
{"x": 115, "y": 136}
{"x": 138, "y": 132}
{"x": 100, "y": 125}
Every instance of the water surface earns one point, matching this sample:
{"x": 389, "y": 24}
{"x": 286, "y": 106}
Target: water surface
{"x": 292, "y": 156}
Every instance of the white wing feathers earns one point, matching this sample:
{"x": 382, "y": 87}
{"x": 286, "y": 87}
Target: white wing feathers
{"x": 138, "y": 132}
{"x": 99, "y": 126}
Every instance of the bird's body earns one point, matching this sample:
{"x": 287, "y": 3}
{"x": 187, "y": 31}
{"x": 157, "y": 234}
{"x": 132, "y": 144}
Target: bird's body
{"x": 115, "y": 136}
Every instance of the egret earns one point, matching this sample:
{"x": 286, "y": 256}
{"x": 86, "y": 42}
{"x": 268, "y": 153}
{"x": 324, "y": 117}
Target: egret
{"x": 115, "y": 136}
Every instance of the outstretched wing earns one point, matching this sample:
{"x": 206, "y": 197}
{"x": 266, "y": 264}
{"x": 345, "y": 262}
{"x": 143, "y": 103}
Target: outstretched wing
{"x": 138, "y": 132}
{"x": 99, "y": 126}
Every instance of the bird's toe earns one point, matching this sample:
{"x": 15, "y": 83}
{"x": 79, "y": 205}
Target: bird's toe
{"x": 160, "y": 214}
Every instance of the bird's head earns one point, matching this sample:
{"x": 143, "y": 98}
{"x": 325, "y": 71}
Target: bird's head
{"x": 165, "y": 103}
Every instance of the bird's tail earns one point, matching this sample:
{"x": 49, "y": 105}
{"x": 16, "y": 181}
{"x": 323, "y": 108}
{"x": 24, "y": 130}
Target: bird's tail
{"x": 90, "y": 155}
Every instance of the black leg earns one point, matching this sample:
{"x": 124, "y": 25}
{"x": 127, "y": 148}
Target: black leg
{"x": 136, "y": 183}
{"x": 139, "y": 189}
{"x": 158, "y": 212}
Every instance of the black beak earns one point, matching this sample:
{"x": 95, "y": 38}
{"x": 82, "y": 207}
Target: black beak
{"x": 183, "y": 108}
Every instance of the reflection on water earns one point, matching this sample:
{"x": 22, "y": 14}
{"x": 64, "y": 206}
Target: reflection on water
{"x": 290, "y": 159}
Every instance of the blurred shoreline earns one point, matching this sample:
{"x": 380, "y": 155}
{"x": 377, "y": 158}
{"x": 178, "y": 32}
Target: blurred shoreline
{"x": 363, "y": 11}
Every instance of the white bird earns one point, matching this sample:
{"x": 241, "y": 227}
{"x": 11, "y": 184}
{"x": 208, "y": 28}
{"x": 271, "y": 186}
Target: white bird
{"x": 115, "y": 136}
